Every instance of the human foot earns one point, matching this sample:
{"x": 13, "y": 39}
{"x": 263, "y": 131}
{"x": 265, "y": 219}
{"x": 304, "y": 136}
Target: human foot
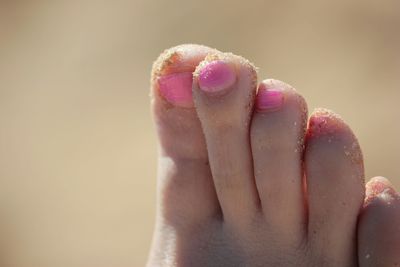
{"x": 238, "y": 188}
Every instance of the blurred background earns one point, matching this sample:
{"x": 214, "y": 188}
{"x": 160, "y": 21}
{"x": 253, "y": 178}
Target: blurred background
{"x": 77, "y": 144}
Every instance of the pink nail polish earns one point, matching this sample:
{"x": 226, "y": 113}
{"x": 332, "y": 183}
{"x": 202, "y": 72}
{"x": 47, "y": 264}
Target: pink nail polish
{"x": 216, "y": 76}
{"x": 269, "y": 99}
{"x": 176, "y": 88}
{"x": 325, "y": 122}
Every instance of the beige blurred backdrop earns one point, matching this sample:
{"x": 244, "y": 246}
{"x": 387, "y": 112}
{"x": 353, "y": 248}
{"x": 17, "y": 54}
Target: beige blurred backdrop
{"x": 77, "y": 144}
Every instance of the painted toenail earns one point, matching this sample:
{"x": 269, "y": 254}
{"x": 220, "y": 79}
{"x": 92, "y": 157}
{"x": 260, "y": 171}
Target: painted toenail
{"x": 325, "y": 122}
{"x": 381, "y": 188}
{"x": 176, "y": 88}
{"x": 269, "y": 99}
{"x": 216, "y": 76}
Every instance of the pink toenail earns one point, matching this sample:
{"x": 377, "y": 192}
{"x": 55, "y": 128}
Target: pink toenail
{"x": 269, "y": 99}
{"x": 176, "y": 88}
{"x": 325, "y": 122}
{"x": 216, "y": 76}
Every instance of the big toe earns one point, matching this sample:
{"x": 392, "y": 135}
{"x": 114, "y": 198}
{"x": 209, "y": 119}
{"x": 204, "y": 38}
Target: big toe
{"x": 184, "y": 179}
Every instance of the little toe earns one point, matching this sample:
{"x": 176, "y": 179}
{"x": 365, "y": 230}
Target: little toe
{"x": 379, "y": 225}
{"x": 277, "y": 136}
{"x": 224, "y": 87}
{"x": 335, "y": 187}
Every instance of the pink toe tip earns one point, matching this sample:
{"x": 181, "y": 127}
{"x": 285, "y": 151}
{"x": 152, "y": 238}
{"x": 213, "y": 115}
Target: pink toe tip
{"x": 380, "y": 188}
{"x": 325, "y": 122}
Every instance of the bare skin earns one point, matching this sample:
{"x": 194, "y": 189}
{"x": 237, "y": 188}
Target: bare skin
{"x": 245, "y": 178}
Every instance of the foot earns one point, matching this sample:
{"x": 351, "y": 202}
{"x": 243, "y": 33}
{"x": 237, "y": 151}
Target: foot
{"x": 244, "y": 180}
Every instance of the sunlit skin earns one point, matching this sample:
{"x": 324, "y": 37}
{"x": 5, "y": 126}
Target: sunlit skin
{"x": 247, "y": 178}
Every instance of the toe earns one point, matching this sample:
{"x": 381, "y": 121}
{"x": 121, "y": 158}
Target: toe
{"x": 224, "y": 88}
{"x": 277, "y": 135}
{"x": 379, "y": 225}
{"x": 184, "y": 175}
{"x": 334, "y": 171}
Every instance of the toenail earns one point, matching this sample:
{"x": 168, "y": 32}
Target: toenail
{"x": 325, "y": 122}
{"x": 270, "y": 99}
{"x": 176, "y": 88}
{"x": 381, "y": 188}
{"x": 216, "y": 76}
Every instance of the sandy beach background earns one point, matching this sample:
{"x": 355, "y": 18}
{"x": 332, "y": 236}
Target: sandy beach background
{"x": 77, "y": 144}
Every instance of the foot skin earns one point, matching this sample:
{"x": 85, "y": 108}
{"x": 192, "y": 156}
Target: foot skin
{"x": 244, "y": 180}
